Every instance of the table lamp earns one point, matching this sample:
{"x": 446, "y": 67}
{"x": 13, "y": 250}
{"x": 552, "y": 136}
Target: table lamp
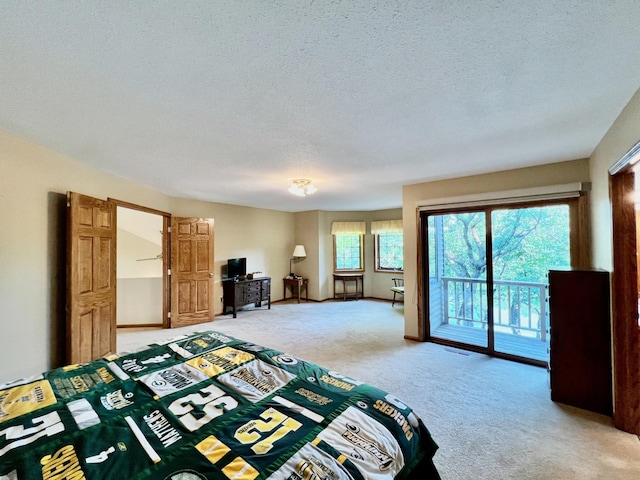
{"x": 298, "y": 252}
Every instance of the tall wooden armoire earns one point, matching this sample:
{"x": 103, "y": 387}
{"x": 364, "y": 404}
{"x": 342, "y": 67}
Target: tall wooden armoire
{"x": 580, "y": 353}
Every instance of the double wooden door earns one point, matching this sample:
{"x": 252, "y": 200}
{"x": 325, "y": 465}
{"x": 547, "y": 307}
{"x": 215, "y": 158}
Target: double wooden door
{"x": 91, "y": 275}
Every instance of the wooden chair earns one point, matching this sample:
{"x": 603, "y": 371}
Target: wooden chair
{"x": 397, "y": 289}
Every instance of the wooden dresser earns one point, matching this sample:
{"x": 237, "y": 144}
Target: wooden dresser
{"x": 580, "y": 353}
{"x": 237, "y": 293}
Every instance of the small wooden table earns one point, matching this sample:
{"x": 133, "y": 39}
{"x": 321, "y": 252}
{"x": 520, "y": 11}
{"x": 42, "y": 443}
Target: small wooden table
{"x": 296, "y": 285}
{"x": 349, "y": 277}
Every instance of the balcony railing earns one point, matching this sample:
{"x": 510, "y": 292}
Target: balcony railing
{"x": 518, "y": 307}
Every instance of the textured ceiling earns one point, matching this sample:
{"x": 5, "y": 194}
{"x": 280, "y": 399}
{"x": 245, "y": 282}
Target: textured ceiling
{"x": 230, "y": 101}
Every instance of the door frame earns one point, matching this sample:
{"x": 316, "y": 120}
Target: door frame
{"x": 166, "y": 254}
{"x": 624, "y": 294}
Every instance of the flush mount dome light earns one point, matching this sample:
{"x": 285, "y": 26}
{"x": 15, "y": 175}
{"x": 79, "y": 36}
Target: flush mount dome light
{"x": 302, "y": 187}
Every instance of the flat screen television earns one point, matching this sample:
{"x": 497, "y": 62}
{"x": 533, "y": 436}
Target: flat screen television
{"x": 236, "y": 267}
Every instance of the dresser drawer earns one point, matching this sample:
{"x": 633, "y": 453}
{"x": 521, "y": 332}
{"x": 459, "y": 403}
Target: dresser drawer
{"x": 244, "y": 292}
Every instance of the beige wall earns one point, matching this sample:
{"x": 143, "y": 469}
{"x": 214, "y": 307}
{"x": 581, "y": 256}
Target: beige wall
{"x": 139, "y": 301}
{"x": 34, "y": 180}
{"x": 623, "y": 134}
{"x": 412, "y": 195}
{"x": 33, "y": 186}
{"x": 307, "y": 233}
{"x": 313, "y": 229}
{"x": 263, "y": 236}
{"x": 139, "y": 283}
{"x": 378, "y": 284}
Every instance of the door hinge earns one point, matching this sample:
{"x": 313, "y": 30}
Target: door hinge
{"x": 168, "y": 314}
{"x": 168, "y": 271}
{"x": 168, "y": 229}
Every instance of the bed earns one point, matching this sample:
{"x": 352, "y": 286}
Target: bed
{"x": 207, "y": 406}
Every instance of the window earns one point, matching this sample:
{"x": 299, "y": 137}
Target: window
{"x": 348, "y": 252}
{"x": 348, "y": 247}
{"x": 388, "y": 252}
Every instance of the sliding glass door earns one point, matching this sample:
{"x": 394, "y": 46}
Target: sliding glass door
{"x": 458, "y": 277}
{"x": 487, "y": 274}
{"x": 526, "y": 244}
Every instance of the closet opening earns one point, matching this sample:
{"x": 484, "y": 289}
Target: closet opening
{"x": 142, "y": 267}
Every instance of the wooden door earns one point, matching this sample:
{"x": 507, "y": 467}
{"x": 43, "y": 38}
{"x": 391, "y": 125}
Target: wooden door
{"x": 91, "y": 278}
{"x": 624, "y": 291}
{"x": 192, "y": 265}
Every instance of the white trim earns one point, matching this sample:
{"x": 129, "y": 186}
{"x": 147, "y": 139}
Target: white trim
{"x": 629, "y": 158}
{"x": 551, "y": 192}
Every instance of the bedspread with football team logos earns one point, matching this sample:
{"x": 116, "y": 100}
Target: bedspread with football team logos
{"x": 207, "y": 406}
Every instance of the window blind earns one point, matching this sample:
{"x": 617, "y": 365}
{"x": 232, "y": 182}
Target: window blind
{"x": 359, "y": 228}
{"x": 386, "y": 226}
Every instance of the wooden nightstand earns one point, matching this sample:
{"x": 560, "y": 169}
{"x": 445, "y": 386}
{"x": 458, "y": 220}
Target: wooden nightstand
{"x": 296, "y": 285}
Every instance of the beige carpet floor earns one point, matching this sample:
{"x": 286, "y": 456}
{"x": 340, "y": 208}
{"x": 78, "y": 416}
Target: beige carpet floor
{"x": 492, "y": 419}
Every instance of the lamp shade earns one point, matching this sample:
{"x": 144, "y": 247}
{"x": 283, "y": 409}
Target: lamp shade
{"x": 299, "y": 251}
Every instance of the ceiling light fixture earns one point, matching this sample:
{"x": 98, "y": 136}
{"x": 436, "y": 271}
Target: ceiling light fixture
{"x": 302, "y": 187}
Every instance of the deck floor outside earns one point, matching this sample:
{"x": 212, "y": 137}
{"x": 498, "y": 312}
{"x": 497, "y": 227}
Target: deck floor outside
{"x": 511, "y": 344}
